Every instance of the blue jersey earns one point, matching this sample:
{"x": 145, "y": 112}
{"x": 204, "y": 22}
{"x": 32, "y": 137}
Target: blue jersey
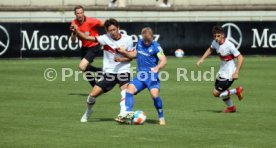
{"x": 147, "y": 55}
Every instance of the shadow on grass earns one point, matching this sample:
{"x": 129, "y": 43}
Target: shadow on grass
{"x": 208, "y": 110}
{"x": 151, "y": 121}
{"x": 148, "y": 121}
{"x": 77, "y": 94}
{"x": 102, "y": 120}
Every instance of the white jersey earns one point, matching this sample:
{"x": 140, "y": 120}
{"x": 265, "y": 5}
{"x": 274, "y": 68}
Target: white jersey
{"x": 227, "y": 52}
{"x": 110, "y": 46}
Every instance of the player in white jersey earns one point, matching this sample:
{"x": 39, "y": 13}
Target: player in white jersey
{"x": 228, "y": 71}
{"x": 116, "y": 67}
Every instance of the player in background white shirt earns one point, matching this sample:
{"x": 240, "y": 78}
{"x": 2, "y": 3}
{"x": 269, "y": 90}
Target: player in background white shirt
{"x": 228, "y": 71}
{"x": 116, "y": 68}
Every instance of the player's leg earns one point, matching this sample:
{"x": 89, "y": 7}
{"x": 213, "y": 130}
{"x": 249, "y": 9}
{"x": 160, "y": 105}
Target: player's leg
{"x": 158, "y": 104}
{"x": 85, "y": 66}
{"x": 89, "y": 54}
{"x": 91, "y": 100}
{"x": 221, "y": 86}
{"x": 238, "y": 91}
{"x": 102, "y": 86}
{"x": 123, "y": 80}
{"x": 133, "y": 88}
{"x": 153, "y": 85}
{"x": 126, "y": 115}
{"x": 87, "y": 58}
{"x": 123, "y": 100}
{"x": 123, "y": 107}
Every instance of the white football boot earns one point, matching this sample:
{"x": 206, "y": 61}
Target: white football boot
{"x": 125, "y": 117}
{"x": 86, "y": 115}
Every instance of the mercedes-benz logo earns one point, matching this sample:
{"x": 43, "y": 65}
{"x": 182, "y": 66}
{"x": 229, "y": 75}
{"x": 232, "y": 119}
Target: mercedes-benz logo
{"x": 4, "y": 40}
{"x": 230, "y": 30}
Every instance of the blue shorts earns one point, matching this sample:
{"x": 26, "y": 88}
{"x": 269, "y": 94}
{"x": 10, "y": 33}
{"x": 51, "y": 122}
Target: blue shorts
{"x": 146, "y": 80}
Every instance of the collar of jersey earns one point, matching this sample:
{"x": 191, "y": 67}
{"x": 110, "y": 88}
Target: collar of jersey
{"x": 145, "y": 44}
{"x": 115, "y": 39}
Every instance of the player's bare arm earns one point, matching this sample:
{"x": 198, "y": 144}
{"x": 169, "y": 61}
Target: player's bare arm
{"x": 73, "y": 37}
{"x": 73, "y": 34}
{"x": 239, "y": 65}
{"x": 129, "y": 54}
{"x": 162, "y": 63}
{"x": 205, "y": 55}
{"x": 83, "y": 36}
{"x": 122, "y": 59}
{"x": 123, "y": 51}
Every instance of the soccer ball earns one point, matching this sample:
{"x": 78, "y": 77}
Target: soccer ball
{"x": 179, "y": 53}
{"x": 139, "y": 117}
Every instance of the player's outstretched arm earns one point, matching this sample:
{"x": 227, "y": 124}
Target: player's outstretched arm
{"x": 122, "y": 59}
{"x": 128, "y": 54}
{"x": 240, "y": 62}
{"x": 205, "y": 55}
{"x": 85, "y": 37}
{"x": 82, "y": 35}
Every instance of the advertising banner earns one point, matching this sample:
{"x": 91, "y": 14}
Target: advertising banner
{"x": 26, "y": 40}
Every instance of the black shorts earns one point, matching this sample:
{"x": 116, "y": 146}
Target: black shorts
{"x": 222, "y": 84}
{"x": 90, "y": 53}
{"x": 109, "y": 80}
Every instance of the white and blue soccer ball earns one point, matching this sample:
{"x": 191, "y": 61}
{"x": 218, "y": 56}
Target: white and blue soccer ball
{"x": 179, "y": 53}
{"x": 139, "y": 117}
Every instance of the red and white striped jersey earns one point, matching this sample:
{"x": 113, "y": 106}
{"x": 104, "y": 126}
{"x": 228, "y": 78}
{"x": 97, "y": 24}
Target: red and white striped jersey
{"x": 227, "y": 52}
{"x": 110, "y": 46}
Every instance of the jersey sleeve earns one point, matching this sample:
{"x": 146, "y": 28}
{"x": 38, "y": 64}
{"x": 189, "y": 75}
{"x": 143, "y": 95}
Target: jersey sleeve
{"x": 234, "y": 50}
{"x": 138, "y": 44}
{"x": 213, "y": 44}
{"x": 159, "y": 50}
{"x": 101, "y": 39}
{"x": 97, "y": 22}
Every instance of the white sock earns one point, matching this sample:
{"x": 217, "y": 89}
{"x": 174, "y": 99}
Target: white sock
{"x": 162, "y": 118}
{"x": 122, "y": 101}
{"x": 227, "y": 93}
{"x": 228, "y": 102}
{"x": 90, "y": 102}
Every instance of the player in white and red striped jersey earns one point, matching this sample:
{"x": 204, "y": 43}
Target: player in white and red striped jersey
{"x": 116, "y": 67}
{"x": 228, "y": 71}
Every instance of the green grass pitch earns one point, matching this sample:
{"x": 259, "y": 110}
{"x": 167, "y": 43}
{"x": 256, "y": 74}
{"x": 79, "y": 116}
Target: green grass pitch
{"x": 38, "y": 113}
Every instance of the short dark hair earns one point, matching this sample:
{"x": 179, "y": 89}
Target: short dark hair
{"x": 78, "y": 7}
{"x": 217, "y": 29}
{"x": 110, "y": 22}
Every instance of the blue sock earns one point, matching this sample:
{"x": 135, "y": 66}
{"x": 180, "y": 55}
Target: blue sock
{"x": 159, "y": 107}
{"x": 129, "y": 101}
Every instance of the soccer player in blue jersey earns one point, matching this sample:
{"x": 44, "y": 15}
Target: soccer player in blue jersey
{"x": 150, "y": 59}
